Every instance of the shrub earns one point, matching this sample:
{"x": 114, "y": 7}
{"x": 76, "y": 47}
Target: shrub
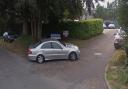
{"x": 24, "y": 40}
{"x": 117, "y": 71}
{"x": 122, "y": 75}
{"x": 20, "y": 45}
{"x": 119, "y": 58}
{"x": 83, "y": 29}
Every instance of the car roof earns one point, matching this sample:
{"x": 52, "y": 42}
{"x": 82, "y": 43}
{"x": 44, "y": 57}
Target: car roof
{"x": 111, "y": 24}
{"x": 40, "y": 42}
{"x": 45, "y": 40}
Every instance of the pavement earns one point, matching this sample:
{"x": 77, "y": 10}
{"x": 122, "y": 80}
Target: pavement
{"x": 87, "y": 73}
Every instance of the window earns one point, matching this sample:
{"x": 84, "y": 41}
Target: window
{"x": 56, "y": 45}
{"x": 35, "y": 45}
{"x": 46, "y": 45}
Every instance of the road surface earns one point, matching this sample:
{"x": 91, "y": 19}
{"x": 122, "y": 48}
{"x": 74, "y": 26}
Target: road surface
{"x": 86, "y": 73}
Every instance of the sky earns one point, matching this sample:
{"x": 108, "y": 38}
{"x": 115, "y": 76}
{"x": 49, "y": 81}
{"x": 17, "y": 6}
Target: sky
{"x": 102, "y": 3}
{"x": 105, "y": 2}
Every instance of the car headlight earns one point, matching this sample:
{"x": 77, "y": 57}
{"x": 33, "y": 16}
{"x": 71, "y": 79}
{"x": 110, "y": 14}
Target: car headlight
{"x": 78, "y": 49}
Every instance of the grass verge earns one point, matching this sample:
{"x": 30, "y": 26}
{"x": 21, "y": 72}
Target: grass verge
{"x": 117, "y": 71}
{"x": 19, "y": 46}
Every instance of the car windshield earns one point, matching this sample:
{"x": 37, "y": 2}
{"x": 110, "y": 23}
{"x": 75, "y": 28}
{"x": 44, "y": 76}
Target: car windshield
{"x": 62, "y": 43}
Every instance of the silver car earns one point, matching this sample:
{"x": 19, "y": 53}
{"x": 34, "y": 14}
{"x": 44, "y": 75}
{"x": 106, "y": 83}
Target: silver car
{"x": 53, "y": 49}
{"x": 119, "y": 38}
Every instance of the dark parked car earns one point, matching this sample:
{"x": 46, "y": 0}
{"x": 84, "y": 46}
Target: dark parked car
{"x": 10, "y": 36}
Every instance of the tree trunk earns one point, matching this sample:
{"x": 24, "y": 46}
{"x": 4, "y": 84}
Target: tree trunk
{"x": 39, "y": 26}
{"x": 33, "y": 27}
{"x": 32, "y": 30}
{"x": 25, "y": 32}
{"x": 31, "y": 24}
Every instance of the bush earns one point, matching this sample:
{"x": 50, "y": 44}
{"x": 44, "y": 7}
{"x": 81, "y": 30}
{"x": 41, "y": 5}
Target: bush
{"x": 122, "y": 75}
{"x": 117, "y": 77}
{"x": 24, "y": 40}
{"x": 83, "y": 29}
{"x": 119, "y": 58}
{"x": 20, "y": 45}
{"x": 117, "y": 71}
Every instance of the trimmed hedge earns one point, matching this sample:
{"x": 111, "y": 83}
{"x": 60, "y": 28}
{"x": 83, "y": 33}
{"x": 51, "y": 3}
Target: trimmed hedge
{"x": 83, "y": 29}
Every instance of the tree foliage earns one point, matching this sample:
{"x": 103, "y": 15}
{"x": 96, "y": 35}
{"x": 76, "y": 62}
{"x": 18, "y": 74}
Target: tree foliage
{"x": 90, "y": 4}
{"x": 105, "y": 13}
{"x": 123, "y": 13}
{"x": 33, "y": 13}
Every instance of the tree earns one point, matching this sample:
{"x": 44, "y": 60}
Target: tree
{"x": 52, "y": 11}
{"x": 90, "y": 4}
{"x": 123, "y": 13}
{"x": 100, "y": 12}
{"x": 105, "y": 13}
{"x": 24, "y": 9}
{"x": 33, "y": 13}
{"x": 7, "y": 15}
{"x": 74, "y": 7}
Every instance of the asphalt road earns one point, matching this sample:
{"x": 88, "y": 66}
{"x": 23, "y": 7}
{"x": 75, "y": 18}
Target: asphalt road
{"x": 86, "y": 73}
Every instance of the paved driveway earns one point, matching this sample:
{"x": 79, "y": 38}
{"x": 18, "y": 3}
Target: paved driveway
{"x": 87, "y": 73}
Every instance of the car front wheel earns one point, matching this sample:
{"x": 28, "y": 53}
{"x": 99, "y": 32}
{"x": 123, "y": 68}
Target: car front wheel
{"x": 73, "y": 56}
{"x": 40, "y": 59}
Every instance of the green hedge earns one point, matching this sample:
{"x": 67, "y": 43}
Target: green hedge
{"x": 83, "y": 29}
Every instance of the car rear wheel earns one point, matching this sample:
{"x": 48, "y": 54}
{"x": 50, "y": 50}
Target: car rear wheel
{"x": 40, "y": 59}
{"x": 117, "y": 46}
{"x": 73, "y": 56}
